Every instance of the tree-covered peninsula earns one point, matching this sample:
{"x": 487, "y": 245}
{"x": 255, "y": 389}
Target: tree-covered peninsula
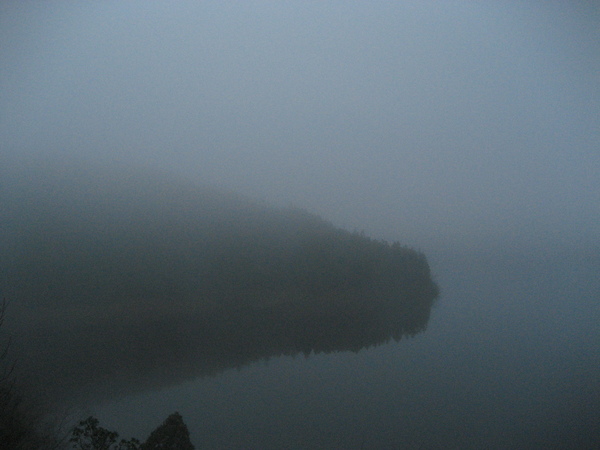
{"x": 124, "y": 279}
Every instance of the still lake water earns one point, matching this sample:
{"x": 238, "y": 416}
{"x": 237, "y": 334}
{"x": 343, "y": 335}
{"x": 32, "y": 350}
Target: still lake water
{"x": 510, "y": 359}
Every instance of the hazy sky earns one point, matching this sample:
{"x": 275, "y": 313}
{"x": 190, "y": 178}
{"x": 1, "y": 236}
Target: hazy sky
{"x": 429, "y": 122}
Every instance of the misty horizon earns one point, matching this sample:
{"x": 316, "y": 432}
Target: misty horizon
{"x": 457, "y": 142}
{"x": 466, "y": 124}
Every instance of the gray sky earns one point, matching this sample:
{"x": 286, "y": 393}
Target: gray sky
{"x": 432, "y": 123}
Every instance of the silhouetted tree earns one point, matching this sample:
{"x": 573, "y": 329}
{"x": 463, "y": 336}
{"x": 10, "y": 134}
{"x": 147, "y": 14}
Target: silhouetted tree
{"x": 173, "y": 434}
{"x": 88, "y": 435}
{"x": 22, "y": 423}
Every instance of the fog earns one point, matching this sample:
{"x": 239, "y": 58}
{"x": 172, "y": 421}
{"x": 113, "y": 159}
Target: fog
{"x": 468, "y": 131}
{"x": 121, "y": 281}
{"x": 430, "y": 123}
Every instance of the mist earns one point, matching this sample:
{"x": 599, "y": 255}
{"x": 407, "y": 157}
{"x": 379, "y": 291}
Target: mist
{"x": 467, "y": 133}
{"x": 123, "y": 280}
{"x": 430, "y": 124}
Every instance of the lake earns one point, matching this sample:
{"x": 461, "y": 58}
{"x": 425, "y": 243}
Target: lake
{"x": 510, "y": 359}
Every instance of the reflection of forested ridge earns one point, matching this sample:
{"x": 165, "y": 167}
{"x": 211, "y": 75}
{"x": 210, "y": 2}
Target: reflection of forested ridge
{"x": 196, "y": 277}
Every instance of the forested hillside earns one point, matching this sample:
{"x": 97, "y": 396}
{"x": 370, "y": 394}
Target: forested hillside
{"x": 127, "y": 272}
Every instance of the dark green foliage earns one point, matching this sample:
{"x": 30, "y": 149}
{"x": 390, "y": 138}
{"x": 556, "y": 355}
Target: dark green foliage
{"x": 89, "y": 435}
{"x": 99, "y": 237}
{"x": 173, "y": 434}
{"x": 147, "y": 274}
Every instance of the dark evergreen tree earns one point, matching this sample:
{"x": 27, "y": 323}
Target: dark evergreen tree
{"x": 173, "y": 434}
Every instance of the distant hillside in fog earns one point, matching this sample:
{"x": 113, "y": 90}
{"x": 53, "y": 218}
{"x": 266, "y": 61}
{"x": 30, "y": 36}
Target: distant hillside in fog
{"x": 143, "y": 268}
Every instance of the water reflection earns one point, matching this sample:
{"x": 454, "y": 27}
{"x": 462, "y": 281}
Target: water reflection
{"x": 125, "y": 281}
{"x": 135, "y": 352}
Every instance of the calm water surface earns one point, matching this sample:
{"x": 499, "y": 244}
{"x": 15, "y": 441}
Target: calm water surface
{"x": 510, "y": 359}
